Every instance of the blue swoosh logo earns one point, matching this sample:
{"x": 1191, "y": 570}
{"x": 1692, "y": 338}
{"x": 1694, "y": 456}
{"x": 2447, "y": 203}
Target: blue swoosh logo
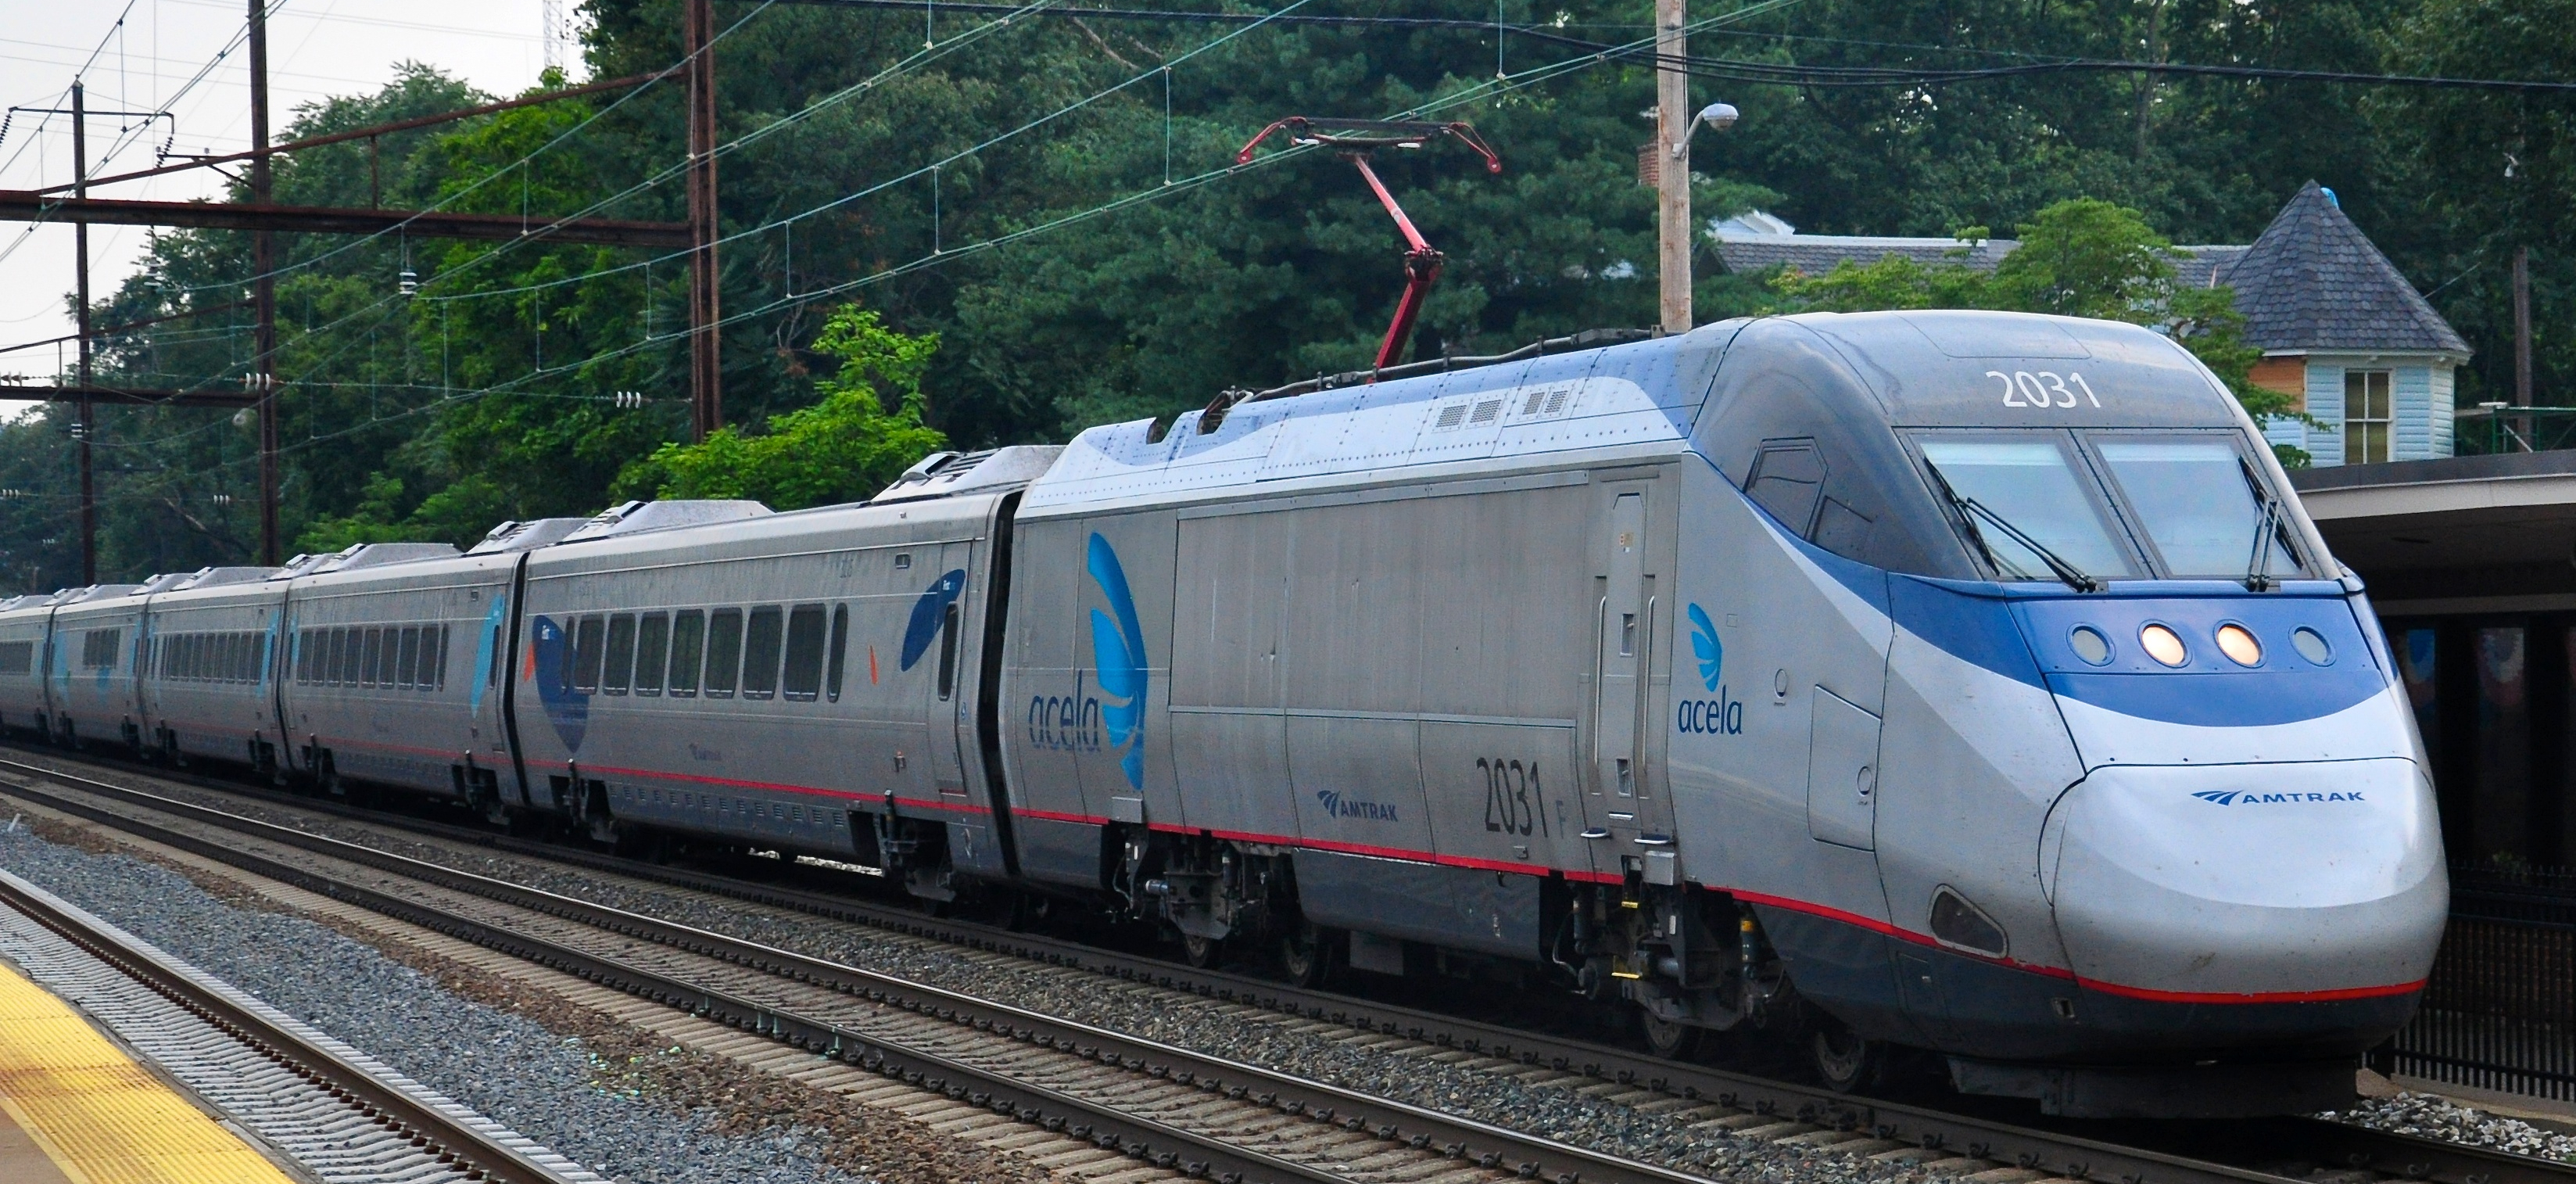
{"x": 928, "y": 613}
{"x": 1118, "y": 649}
{"x": 567, "y": 709}
{"x": 1704, "y": 643}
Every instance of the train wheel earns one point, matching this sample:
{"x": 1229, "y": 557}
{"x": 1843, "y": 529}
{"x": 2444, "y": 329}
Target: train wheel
{"x": 1202, "y": 952}
{"x": 1305, "y": 955}
{"x": 1667, "y": 1039}
{"x": 1844, "y": 1060}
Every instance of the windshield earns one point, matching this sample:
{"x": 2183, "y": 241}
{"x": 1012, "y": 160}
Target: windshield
{"x": 2196, "y": 504}
{"x": 2029, "y": 484}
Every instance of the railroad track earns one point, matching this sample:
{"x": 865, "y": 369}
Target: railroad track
{"x": 336, "y": 1112}
{"x": 2198, "y": 1153}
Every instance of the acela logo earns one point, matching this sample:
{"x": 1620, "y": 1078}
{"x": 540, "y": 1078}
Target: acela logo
{"x": 1721, "y": 716}
{"x": 2239, "y": 797}
{"x": 1341, "y": 807}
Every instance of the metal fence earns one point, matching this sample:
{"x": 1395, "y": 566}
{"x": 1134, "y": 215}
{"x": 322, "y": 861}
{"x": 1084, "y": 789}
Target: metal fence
{"x": 2500, "y": 1011}
{"x": 2494, "y": 427}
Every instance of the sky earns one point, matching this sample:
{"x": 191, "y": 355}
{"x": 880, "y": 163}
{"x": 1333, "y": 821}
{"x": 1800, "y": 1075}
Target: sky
{"x": 149, "y": 55}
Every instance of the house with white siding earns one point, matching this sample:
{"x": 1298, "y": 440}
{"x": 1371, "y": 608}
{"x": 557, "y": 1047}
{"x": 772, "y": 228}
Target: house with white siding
{"x": 2339, "y": 326}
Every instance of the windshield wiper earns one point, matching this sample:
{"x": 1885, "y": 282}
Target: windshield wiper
{"x": 1970, "y": 509}
{"x": 2258, "y": 567}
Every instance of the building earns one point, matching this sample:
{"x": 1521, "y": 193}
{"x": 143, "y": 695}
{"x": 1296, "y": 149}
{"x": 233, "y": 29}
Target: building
{"x": 2338, "y": 324}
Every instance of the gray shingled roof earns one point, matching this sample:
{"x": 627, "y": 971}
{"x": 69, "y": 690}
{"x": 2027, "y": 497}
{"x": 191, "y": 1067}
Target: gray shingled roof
{"x": 2314, "y": 281}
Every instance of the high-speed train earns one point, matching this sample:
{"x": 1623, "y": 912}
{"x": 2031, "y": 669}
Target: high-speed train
{"x": 1947, "y": 681}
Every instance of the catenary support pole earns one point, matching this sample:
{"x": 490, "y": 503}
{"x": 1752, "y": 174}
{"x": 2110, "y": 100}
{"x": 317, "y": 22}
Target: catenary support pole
{"x": 2522, "y": 326}
{"x": 263, "y": 376}
{"x": 85, "y": 425}
{"x": 706, "y": 376}
{"x": 1672, "y": 173}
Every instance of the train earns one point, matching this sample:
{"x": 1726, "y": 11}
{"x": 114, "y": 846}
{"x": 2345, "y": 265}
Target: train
{"x": 1961, "y": 688}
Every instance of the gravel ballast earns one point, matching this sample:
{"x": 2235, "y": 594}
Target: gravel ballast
{"x": 556, "y": 1089}
{"x": 2434, "y": 1117}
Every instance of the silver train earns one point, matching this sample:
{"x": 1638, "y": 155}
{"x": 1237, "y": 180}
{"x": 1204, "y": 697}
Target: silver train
{"x": 1958, "y": 682}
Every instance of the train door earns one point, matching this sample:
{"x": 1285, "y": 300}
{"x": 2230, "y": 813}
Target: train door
{"x": 1632, "y": 822}
{"x": 950, "y": 722}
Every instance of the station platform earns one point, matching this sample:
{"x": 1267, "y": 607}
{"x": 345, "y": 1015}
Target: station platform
{"x": 76, "y": 1109}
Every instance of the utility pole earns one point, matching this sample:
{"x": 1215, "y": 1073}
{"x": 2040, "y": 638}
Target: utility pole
{"x": 1672, "y": 174}
{"x": 706, "y": 377}
{"x": 263, "y": 250}
{"x": 2522, "y": 326}
{"x": 82, "y": 427}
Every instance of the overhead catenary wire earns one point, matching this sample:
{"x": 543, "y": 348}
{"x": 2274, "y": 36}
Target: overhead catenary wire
{"x": 514, "y": 386}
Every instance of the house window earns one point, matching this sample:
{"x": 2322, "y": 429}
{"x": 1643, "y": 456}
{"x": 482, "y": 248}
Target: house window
{"x": 2365, "y": 416}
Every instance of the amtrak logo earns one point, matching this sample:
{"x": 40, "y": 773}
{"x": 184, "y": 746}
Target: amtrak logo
{"x": 1338, "y": 806}
{"x": 1118, "y": 648}
{"x": 1723, "y": 715}
{"x": 928, "y": 614}
{"x": 1712, "y": 653}
{"x": 2239, "y": 797}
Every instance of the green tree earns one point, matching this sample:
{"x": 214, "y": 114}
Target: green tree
{"x": 866, "y": 430}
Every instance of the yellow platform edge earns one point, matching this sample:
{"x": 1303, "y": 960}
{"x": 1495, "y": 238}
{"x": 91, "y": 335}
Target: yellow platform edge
{"x": 101, "y": 1117}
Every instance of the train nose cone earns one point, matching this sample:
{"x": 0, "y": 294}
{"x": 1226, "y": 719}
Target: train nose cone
{"x": 2248, "y": 883}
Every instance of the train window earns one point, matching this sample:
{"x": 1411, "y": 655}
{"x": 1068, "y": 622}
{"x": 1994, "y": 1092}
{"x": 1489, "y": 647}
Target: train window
{"x": 371, "y": 657}
{"x": 336, "y": 664}
{"x": 303, "y": 656}
{"x": 492, "y": 673}
{"x": 226, "y": 656}
{"x": 840, "y": 650}
{"x": 760, "y": 653}
{"x": 2012, "y": 490}
{"x": 948, "y": 654}
{"x": 652, "y": 651}
{"x": 2200, "y": 505}
{"x": 407, "y": 659}
{"x": 1788, "y": 479}
{"x": 434, "y": 659}
{"x": 804, "y": 674}
{"x": 724, "y": 651}
{"x": 443, "y": 647}
{"x": 98, "y": 648}
{"x": 17, "y": 657}
{"x": 586, "y": 647}
{"x": 621, "y": 654}
{"x": 688, "y": 641}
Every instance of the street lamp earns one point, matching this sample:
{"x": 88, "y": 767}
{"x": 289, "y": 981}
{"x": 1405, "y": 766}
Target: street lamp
{"x": 1718, "y": 117}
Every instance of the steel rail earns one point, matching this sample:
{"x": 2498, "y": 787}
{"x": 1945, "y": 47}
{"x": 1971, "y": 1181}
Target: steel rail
{"x": 386, "y": 1105}
{"x": 1466, "y": 1140}
{"x": 2130, "y": 1153}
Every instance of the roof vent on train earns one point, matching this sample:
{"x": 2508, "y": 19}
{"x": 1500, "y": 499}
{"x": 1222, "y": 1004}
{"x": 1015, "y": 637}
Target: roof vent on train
{"x": 635, "y": 517}
{"x": 93, "y": 592}
{"x": 358, "y": 555}
{"x": 215, "y": 577}
{"x": 942, "y": 474}
{"x": 526, "y": 536}
{"x": 161, "y": 583}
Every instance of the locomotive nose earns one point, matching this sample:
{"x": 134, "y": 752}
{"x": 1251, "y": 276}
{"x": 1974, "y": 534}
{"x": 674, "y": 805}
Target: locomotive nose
{"x": 2256, "y": 883}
